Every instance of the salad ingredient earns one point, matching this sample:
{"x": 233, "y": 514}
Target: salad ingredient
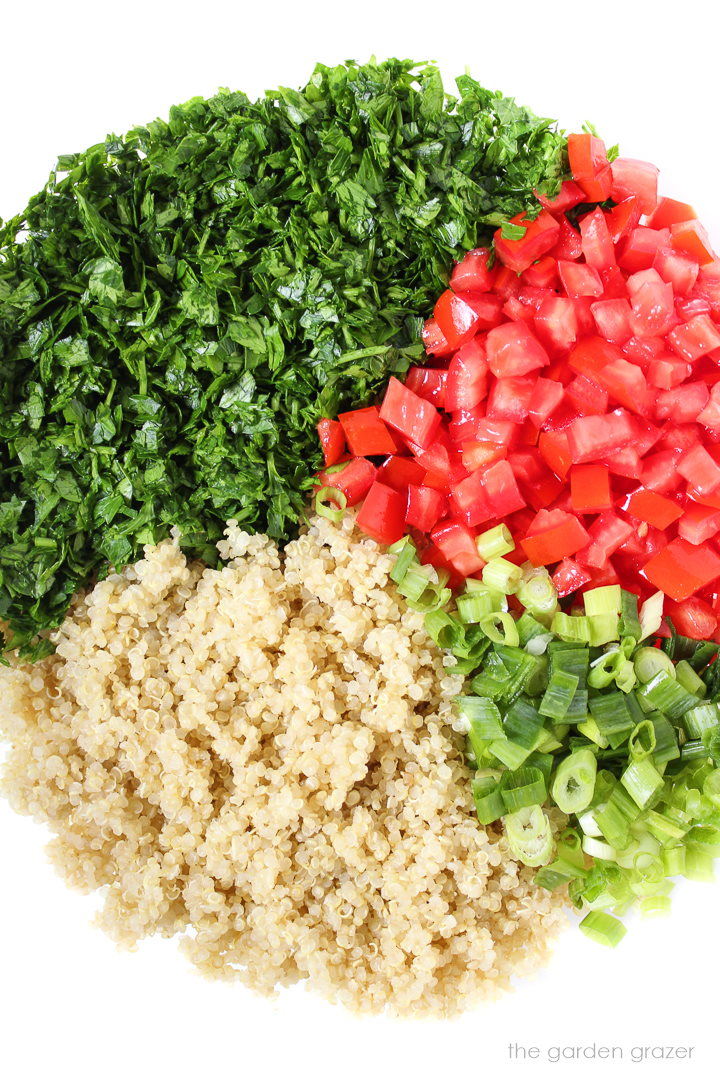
{"x": 181, "y": 306}
{"x": 578, "y": 713}
{"x": 583, "y": 414}
{"x": 262, "y": 758}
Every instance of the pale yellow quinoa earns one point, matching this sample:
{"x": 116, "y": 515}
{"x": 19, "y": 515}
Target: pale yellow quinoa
{"x": 261, "y": 758}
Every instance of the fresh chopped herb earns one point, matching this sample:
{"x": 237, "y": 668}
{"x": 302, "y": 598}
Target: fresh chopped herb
{"x": 179, "y": 307}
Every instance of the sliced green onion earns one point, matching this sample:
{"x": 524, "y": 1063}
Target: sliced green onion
{"x": 591, "y": 731}
{"x": 615, "y": 818}
{"x": 655, "y": 905}
{"x": 642, "y": 741}
{"x": 698, "y": 864}
{"x": 711, "y": 788}
{"x": 605, "y": 669}
{"x": 588, "y": 824}
{"x": 510, "y": 753}
{"x": 324, "y": 497}
{"x": 482, "y": 717}
{"x": 406, "y": 556}
{"x": 559, "y": 695}
{"x": 495, "y": 542}
{"x": 502, "y": 575}
{"x": 596, "y": 849}
{"x": 651, "y": 615}
{"x": 536, "y": 592}
{"x": 666, "y": 744}
{"x": 473, "y": 605}
{"x": 603, "y": 600}
{"x": 673, "y": 858}
{"x": 529, "y": 628}
{"x": 489, "y": 804}
{"x": 629, "y": 618}
{"x": 689, "y": 678}
{"x": 529, "y": 835}
{"x": 574, "y": 782}
{"x": 603, "y": 628}
{"x": 612, "y": 715}
{"x": 649, "y": 662}
{"x": 523, "y": 723}
{"x": 500, "y": 627}
{"x": 665, "y": 694}
{"x": 642, "y": 781}
{"x": 523, "y": 787}
{"x": 700, "y": 719}
{"x": 414, "y": 583}
{"x": 571, "y": 627}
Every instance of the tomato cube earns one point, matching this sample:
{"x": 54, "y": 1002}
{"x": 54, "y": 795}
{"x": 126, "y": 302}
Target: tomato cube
{"x": 544, "y": 400}
{"x": 639, "y": 178}
{"x": 691, "y": 237}
{"x": 569, "y": 577}
{"x": 399, "y": 472}
{"x": 640, "y": 247}
{"x": 353, "y": 480}
{"x": 677, "y": 269}
{"x": 623, "y": 218}
{"x": 556, "y": 543}
{"x": 434, "y": 341}
{"x": 456, "y": 542}
{"x": 587, "y": 397}
{"x": 694, "y": 338}
{"x": 467, "y": 377}
{"x": 655, "y": 509}
{"x": 700, "y": 470}
{"x": 579, "y": 279}
{"x": 612, "y": 318}
{"x": 416, "y": 419}
{"x": 693, "y": 618}
{"x": 589, "y": 166}
{"x": 472, "y": 273}
{"x": 425, "y": 507}
{"x": 597, "y": 244}
{"x": 590, "y": 488}
{"x": 569, "y": 243}
{"x": 653, "y": 310}
{"x": 366, "y": 434}
{"x": 710, "y": 415}
{"x": 670, "y": 212}
{"x": 382, "y": 515}
{"x": 332, "y": 441}
{"x": 668, "y": 371}
{"x": 554, "y": 449}
{"x": 699, "y": 523}
{"x": 592, "y": 437}
{"x": 542, "y": 274}
{"x": 490, "y": 492}
{"x": 510, "y": 398}
{"x": 681, "y": 569}
{"x": 570, "y": 194}
{"x": 513, "y": 349}
{"x": 540, "y": 236}
{"x": 457, "y": 318}
{"x": 659, "y": 471}
{"x": 428, "y": 383}
{"x": 606, "y": 534}
{"x": 556, "y": 323}
{"x": 682, "y": 404}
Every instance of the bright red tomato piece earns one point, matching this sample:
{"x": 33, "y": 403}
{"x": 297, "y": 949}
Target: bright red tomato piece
{"x": 400, "y": 472}
{"x": 570, "y": 194}
{"x": 428, "y": 383}
{"x": 681, "y": 568}
{"x": 382, "y": 514}
{"x": 332, "y": 441}
{"x": 670, "y": 212}
{"x": 434, "y": 341}
{"x": 467, "y": 377}
{"x": 579, "y": 279}
{"x": 691, "y": 237}
{"x": 656, "y": 510}
{"x": 589, "y": 166}
{"x": 366, "y": 434}
{"x": 555, "y": 543}
{"x": 472, "y": 273}
{"x": 425, "y": 507}
{"x": 513, "y": 349}
{"x": 693, "y": 618}
{"x": 353, "y": 480}
{"x": 639, "y": 178}
{"x": 540, "y": 236}
{"x": 569, "y": 577}
{"x": 416, "y": 419}
{"x": 590, "y": 488}
{"x": 456, "y": 542}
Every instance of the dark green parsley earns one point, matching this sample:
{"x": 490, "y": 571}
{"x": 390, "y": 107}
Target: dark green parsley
{"x": 180, "y": 306}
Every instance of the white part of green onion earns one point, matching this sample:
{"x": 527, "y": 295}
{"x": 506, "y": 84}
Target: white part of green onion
{"x": 529, "y": 835}
{"x": 605, "y": 600}
{"x": 502, "y": 575}
{"x": 651, "y": 615}
{"x": 597, "y": 849}
{"x": 588, "y": 824}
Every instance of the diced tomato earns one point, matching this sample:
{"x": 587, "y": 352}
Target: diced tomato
{"x": 366, "y": 434}
{"x": 623, "y": 218}
{"x": 553, "y": 544}
{"x": 538, "y": 485}
{"x": 542, "y": 274}
{"x": 399, "y": 472}
{"x": 579, "y": 279}
{"x": 545, "y": 398}
{"x": 592, "y": 354}
{"x": 625, "y": 462}
{"x": 475, "y": 454}
{"x": 457, "y": 318}
{"x": 490, "y": 492}
{"x": 700, "y": 470}
{"x": 555, "y": 452}
{"x": 569, "y": 577}
{"x": 382, "y": 514}
{"x": 456, "y": 542}
{"x": 434, "y": 341}
{"x": 556, "y": 323}
{"x": 587, "y": 396}
{"x": 597, "y": 244}
{"x": 660, "y": 471}
{"x": 639, "y": 249}
{"x": 513, "y": 349}
{"x": 670, "y": 212}
{"x": 569, "y": 244}
{"x": 467, "y": 377}
{"x": 694, "y": 338}
{"x": 677, "y": 269}
{"x": 495, "y": 431}
{"x": 626, "y": 384}
{"x": 693, "y": 618}
{"x": 589, "y": 166}
{"x": 691, "y": 237}
{"x": 668, "y": 371}
{"x": 425, "y": 507}
{"x": 653, "y": 310}
{"x": 540, "y": 236}
{"x": 639, "y": 178}
{"x": 472, "y": 273}
{"x": 682, "y": 404}
{"x": 416, "y": 419}
{"x": 510, "y": 398}
{"x": 708, "y": 285}
{"x": 699, "y": 523}
{"x": 507, "y": 283}
{"x": 607, "y": 533}
{"x": 570, "y": 194}
{"x": 681, "y": 569}
{"x": 687, "y": 307}
{"x": 710, "y": 415}
{"x": 612, "y": 318}
{"x": 592, "y": 437}
{"x": 590, "y": 488}
{"x": 428, "y": 383}
{"x": 353, "y": 480}
{"x": 332, "y": 441}
{"x": 655, "y": 509}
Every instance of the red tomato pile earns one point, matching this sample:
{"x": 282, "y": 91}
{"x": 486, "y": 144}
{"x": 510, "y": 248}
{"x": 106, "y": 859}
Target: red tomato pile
{"x": 573, "y": 393}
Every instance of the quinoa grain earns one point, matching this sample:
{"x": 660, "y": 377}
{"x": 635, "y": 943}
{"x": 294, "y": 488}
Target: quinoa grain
{"x": 264, "y": 759}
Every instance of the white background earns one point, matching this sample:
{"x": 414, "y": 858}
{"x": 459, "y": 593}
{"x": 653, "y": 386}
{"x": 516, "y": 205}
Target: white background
{"x": 71, "y": 1005}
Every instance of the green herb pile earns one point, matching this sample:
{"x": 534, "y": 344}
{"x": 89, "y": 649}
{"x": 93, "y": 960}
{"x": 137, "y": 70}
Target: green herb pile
{"x": 180, "y": 306}
{"x": 596, "y": 750}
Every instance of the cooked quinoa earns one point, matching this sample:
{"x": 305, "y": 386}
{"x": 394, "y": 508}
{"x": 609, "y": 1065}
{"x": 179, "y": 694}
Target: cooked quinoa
{"x": 262, "y": 759}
